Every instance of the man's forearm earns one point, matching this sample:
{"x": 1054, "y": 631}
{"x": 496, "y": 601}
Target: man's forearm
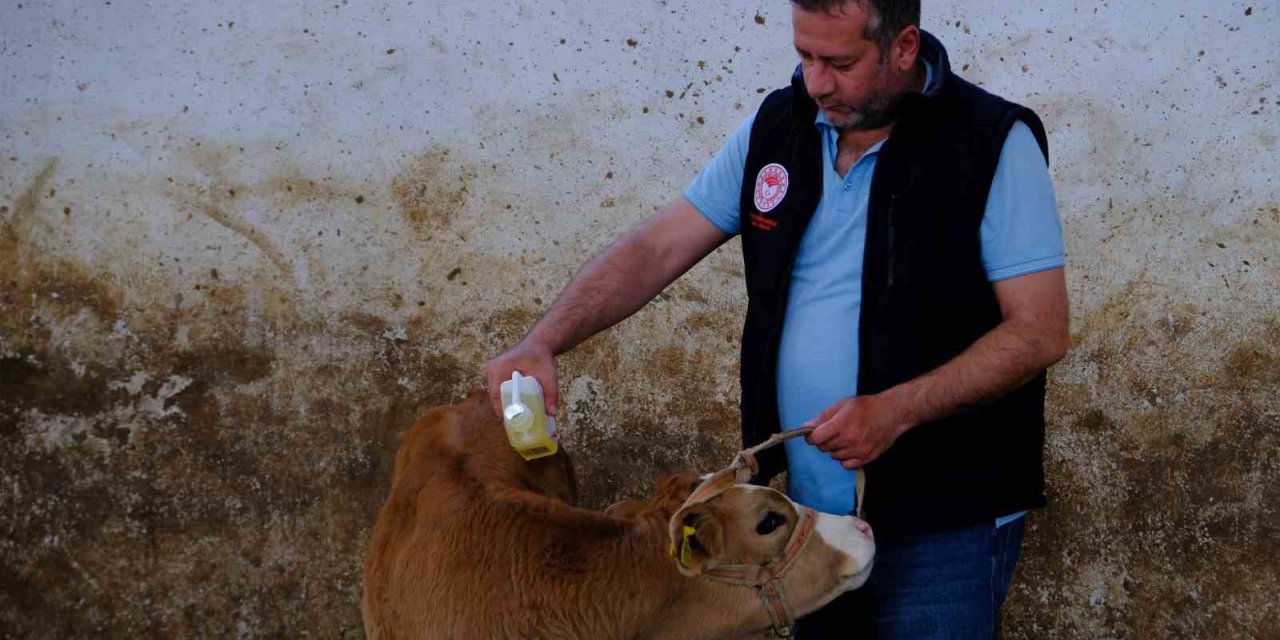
{"x": 611, "y": 287}
{"x": 1001, "y": 361}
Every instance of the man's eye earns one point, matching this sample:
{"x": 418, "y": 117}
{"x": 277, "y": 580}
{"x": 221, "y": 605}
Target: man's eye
{"x": 770, "y": 523}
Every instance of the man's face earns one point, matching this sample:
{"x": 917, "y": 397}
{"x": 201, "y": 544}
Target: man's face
{"x": 843, "y": 69}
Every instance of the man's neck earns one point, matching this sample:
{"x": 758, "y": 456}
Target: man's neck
{"x": 859, "y": 140}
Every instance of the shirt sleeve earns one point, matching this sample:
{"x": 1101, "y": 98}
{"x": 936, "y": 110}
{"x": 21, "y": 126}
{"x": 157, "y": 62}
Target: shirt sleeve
{"x": 1020, "y": 231}
{"x": 717, "y": 191}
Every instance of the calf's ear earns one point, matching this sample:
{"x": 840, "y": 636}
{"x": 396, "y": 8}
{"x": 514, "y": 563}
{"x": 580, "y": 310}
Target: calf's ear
{"x": 677, "y": 486}
{"x": 626, "y": 509}
{"x": 697, "y": 539}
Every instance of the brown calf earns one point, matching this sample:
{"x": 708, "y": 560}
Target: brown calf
{"x": 475, "y": 543}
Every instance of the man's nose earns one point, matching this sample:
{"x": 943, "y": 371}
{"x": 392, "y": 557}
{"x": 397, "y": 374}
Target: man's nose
{"x": 818, "y": 80}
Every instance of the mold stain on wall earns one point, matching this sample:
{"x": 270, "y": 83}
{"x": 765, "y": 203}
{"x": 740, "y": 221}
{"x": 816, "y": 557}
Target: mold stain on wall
{"x": 433, "y": 190}
{"x": 184, "y": 469}
{"x": 1162, "y": 464}
{"x": 212, "y": 466}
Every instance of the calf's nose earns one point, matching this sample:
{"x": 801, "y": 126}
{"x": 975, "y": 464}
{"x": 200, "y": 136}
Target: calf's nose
{"x": 863, "y": 528}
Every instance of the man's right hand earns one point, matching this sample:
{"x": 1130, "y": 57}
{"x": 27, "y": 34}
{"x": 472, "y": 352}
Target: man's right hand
{"x": 530, "y": 359}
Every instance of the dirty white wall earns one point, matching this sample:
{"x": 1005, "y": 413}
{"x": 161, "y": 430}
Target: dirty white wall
{"x": 243, "y": 244}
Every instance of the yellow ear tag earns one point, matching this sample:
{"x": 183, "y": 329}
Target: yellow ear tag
{"x": 686, "y": 551}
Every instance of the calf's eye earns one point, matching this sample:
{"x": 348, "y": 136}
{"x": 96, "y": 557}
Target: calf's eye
{"x": 770, "y": 523}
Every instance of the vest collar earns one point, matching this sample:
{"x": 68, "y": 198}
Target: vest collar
{"x": 932, "y": 51}
{"x": 803, "y": 108}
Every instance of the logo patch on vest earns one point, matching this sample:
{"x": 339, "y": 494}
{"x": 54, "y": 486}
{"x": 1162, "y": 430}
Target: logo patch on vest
{"x": 771, "y": 186}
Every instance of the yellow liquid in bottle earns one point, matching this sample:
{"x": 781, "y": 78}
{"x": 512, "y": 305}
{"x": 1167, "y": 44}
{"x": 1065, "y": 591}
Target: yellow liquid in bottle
{"x": 529, "y": 438}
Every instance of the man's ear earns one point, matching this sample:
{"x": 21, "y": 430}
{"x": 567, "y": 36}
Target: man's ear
{"x": 696, "y": 539}
{"x": 905, "y": 48}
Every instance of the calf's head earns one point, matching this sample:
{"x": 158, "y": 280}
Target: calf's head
{"x": 748, "y": 534}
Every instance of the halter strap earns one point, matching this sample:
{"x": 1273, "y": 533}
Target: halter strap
{"x": 767, "y": 579}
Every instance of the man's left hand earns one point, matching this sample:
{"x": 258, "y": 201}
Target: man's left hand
{"x": 858, "y": 429}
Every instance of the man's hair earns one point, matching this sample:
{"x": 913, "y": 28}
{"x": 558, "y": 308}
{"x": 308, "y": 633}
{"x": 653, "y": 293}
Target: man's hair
{"x": 885, "y": 20}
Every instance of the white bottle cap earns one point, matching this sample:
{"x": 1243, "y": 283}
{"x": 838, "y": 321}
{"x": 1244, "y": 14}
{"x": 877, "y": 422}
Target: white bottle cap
{"x": 516, "y": 414}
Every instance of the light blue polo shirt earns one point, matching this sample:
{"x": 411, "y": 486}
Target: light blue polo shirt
{"x": 818, "y": 355}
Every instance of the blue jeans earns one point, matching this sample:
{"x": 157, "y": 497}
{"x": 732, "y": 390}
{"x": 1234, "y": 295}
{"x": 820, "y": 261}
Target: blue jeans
{"x": 939, "y": 585}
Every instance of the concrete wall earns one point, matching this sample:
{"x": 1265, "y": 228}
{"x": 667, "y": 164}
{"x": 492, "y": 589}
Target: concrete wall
{"x": 242, "y": 245}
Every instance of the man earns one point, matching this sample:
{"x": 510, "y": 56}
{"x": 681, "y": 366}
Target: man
{"x": 906, "y": 294}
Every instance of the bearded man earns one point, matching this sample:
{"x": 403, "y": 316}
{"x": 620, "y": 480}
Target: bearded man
{"x": 904, "y": 271}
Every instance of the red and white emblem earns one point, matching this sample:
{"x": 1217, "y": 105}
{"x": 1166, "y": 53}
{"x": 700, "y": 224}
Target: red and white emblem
{"x": 771, "y": 186}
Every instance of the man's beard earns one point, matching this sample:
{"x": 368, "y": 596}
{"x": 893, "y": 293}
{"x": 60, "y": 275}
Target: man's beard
{"x": 872, "y": 114}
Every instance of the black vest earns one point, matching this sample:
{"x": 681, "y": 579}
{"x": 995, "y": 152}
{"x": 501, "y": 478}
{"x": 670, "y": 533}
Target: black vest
{"x": 925, "y": 295}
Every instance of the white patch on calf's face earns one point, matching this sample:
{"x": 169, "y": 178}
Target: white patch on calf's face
{"x": 851, "y": 537}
